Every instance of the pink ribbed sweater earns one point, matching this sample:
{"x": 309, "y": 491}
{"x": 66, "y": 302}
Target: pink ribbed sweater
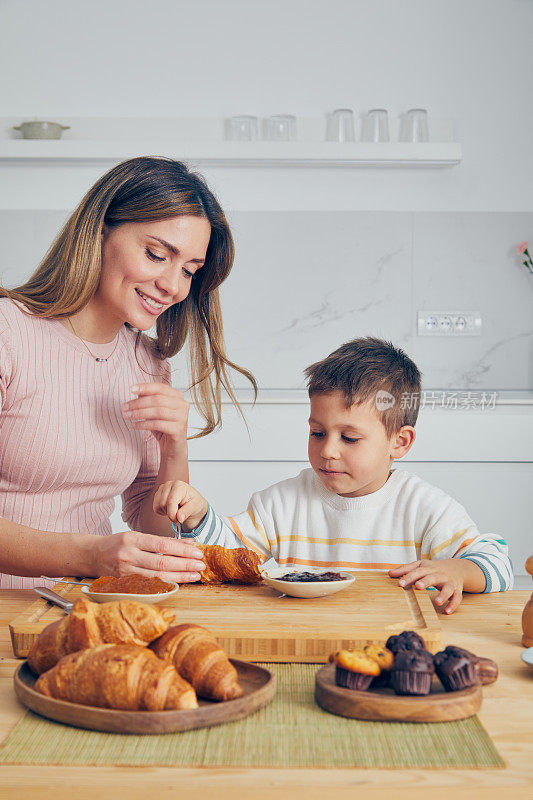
{"x": 66, "y": 450}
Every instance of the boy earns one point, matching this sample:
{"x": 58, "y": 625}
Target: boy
{"x": 350, "y": 510}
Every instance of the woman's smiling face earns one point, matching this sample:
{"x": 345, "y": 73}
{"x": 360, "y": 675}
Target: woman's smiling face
{"x": 149, "y": 266}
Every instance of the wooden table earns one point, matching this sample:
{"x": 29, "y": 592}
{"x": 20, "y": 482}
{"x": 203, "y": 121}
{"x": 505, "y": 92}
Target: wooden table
{"x": 490, "y": 625}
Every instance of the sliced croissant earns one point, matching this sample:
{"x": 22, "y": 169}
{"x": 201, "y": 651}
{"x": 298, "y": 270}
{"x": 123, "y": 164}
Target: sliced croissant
{"x": 238, "y": 565}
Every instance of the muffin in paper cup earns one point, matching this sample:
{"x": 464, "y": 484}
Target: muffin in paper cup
{"x": 456, "y": 668}
{"x": 354, "y": 669}
{"x": 412, "y": 672}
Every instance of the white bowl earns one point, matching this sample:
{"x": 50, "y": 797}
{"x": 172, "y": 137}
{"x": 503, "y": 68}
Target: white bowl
{"x": 108, "y": 597}
{"x": 40, "y": 129}
{"x": 527, "y": 656}
{"x": 272, "y": 575}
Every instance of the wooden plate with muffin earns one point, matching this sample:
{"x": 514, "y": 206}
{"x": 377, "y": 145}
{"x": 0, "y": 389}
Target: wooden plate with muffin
{"x": 402, "y": 681}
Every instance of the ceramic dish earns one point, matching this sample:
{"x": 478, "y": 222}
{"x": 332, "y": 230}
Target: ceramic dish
{"x": 272, "y": 575}
{"x": 150, "y": 599}
{"x": 527, "y": 656}
{"x": 40, "y": 129}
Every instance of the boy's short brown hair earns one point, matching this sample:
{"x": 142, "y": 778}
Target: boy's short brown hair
{"x": 371, "y": 368}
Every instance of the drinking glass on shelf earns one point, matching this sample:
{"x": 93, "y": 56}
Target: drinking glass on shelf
{"x": 280, "y": 128}
{"x": 243, "y": 128}
{"x": 375, "y": 126}
{"x": 340, "y": 126}
{"x": 414, "y": 126}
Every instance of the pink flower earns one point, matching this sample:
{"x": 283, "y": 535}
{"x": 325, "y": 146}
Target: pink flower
{"x": 522, "y": 247}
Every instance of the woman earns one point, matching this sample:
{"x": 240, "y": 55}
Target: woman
{"x": 87, "y": 409}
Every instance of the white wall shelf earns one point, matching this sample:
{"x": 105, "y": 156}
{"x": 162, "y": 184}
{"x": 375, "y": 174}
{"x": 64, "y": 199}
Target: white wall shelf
{"x": 237, "y": 154}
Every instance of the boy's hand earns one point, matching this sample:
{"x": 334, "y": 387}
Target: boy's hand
{"x": 180, "y": 502}
{"x": 447, "y": 574}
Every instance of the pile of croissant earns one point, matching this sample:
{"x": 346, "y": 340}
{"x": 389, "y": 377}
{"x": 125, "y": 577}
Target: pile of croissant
{"x": 128, "y": 655}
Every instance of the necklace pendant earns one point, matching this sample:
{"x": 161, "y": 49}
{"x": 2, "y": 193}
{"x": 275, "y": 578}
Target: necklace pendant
{"x": 101, "y": 359}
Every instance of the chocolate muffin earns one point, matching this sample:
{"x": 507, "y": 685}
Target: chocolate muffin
{"x": 407, "y": 640}
{"x": 486, "y": 669}
{"x": 412, "y": 672}
{"x": 456, "y": 668}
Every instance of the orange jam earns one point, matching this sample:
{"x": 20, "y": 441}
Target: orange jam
{"x": 130, "y": 584}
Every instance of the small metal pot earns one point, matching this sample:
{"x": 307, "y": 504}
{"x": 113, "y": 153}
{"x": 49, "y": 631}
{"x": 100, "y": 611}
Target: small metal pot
{"x": 41, "y": 130}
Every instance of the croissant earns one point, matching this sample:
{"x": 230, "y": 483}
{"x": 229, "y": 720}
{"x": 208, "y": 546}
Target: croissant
{"x": 224, "y": 565}
{"x": 197, "y": 656}
{"x": 90, "y": 624}
{"x": 124, "y": 676}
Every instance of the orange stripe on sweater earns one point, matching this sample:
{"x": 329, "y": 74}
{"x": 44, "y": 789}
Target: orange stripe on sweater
{"x": 464, "y": 544}
{"x": 445, "y": 544}
{"x": 258, "y": 528}
{"x": 352, "y": 564}
{"x": 243, "y": 538}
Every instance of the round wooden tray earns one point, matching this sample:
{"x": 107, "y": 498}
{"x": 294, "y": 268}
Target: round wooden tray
{"x": 258, "y": 684}
{"x": 385, "y": 705}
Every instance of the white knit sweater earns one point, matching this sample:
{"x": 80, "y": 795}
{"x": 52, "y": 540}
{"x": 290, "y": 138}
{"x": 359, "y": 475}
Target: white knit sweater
{"x": 297, "y": 521}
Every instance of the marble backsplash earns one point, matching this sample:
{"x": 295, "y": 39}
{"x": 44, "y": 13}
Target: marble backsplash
{"x": 304, "y": 282}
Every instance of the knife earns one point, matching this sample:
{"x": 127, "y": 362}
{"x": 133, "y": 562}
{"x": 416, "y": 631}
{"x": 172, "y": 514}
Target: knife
{"x": 53, "y": 597}
{"x": 176, "y": 527}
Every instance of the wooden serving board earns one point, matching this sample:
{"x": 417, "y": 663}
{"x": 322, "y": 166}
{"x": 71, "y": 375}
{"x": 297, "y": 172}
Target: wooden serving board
{"x": 258, "y": 684}
{"x": 255, "y": 623}
{"x": 385, "y": 705}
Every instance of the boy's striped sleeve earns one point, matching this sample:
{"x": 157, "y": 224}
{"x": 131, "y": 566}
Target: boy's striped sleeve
{"x": 455, "y": 535}
{"x": 491, "y": 556}
{"x": 212, "y": 530}
{"x": 231, "y": 532}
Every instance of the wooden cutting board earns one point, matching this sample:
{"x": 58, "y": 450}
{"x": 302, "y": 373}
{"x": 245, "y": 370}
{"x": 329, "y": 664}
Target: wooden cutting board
{"x": 255, "y": 623}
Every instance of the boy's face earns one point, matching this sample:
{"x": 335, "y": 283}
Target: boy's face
{"x": 349, "y": 448}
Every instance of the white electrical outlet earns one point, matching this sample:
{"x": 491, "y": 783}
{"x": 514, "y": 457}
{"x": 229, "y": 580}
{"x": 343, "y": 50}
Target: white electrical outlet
{"x": 449, "y": 323}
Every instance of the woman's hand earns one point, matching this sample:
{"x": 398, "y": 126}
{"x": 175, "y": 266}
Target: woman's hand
{"x": 447, "y": 574}
{"x": 180, "y": 502}
{"x": 163, "y": 410}
{"x": 146, "y": 554}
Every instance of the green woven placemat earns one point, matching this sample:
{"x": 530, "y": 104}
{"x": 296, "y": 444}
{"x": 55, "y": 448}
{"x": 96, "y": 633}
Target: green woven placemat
{"x": 292, "y": 731}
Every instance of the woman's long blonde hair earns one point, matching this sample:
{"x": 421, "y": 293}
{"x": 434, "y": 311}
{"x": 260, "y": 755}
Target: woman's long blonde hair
{"x": 146, "y": 189}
